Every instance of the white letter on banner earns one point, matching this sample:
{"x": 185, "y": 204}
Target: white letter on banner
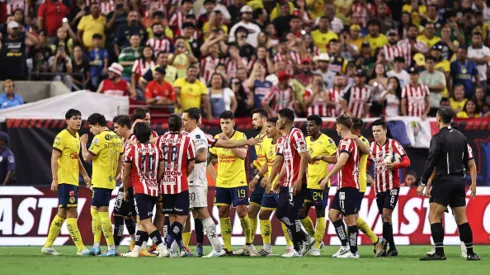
{"x": 25, "y": 216}
{"x": 486, "y": 219}
{"x": 6, "y": 216}
{"x": 411, "y": 215}
{"x": 46, "y": 205}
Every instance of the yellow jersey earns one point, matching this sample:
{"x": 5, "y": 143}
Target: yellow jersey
{"x": 363, "y": 168}
{"x": 69, "y": 147}
{"x": 259, "y": 151}
{"x": 321, "y": 40}
{"x": 269, "y": 148}
{"x": 316, "y": 8}
{"x": 376, "y": 43}
{"x": 106, "y": 148}
{"x": 190, "y": 93}
{"x": 90, "y": 26}
{"x": 317, "y": 171}
{"x": 427, "y": 41}
{"x": 457, "y": 106}
{"x": 231, "y": 169}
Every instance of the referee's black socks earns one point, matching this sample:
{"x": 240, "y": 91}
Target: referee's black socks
{"x": 466, "y": 236}
{"x": 438, "y": 237}
{"x": 388, "y": 234}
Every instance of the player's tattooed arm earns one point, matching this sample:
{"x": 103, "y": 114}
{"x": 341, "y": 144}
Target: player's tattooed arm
{"x": 201, "y": 155}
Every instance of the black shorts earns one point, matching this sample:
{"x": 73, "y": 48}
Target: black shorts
{"x": 448, "y": 190}
{"x": 101, "y": 197}
{"x": 257, "y": 194}
{"x": 387, "y": 199}
{"x": 359, "y": 200}
{"x": 346, "y": 201}
{"x": 176, "y": 204}
{"x": 67, "y": 195}
{"x": 124, "y": 207}
{"x": 286, "y": 198}
{"x": 144, "y": 205}
{"x": 317, "y": 198}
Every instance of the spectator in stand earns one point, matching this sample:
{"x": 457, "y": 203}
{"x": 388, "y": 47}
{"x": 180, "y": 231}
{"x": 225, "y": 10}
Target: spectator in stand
{"x": 391, "y": 50}
{"x": 442, "y": 65}
{"x": 281, "y": 96}
{"x": 481, "y": 102}
{"x": 118, "y": 17}
{"x": 399, "y": 72}
{"x": 261, "y": 18}
{"x": 356, "y": 99}
{"x": 192, "y": 93}
{"x": 50, "y": 17}
{"x": 448, "y": 44}
{"x": 245, "y": 100}
{"x": 366, "y": 59}
{"x": 209, "y": 6}
{"x": 91, "y": 24}
{"x": 99, "y": 60}
{"x": 480, "y": 54}
{"x": 9, "y": 98}
{"x": 391, "y": 98}
{"x": 216, "y": 23}
{"x": 318, "y": 100}
{"x": 470, "y": 110}
{"x": 375, "y": 39}
{"x": 305, "y": 74}
{"x": 145, "y": 63}
{"x": 282, "y": 21}
{"x": 77, "y": 11}
{"x": 181, "y": 58}
{"x": 81, "y": 69}
{"x": 263, "y": 57}
{"x": 177, "y": 20}
{"x": 7, "y": 161}
{"x": 129, "y": 56}
{"x": 429, "y": 35}
{"x": 463, "y": 71}
{"x": 458, "y": 100}
{"x": 258, "y": 85}
{"x": 412, "y": 43}
{"x": 124, "y": 33}
{"x": 159, "y": 42}
{"x": 355, "y": 40}
{"x": 435, "y": 81}
{"x": 385, "y": 17}
{"x": 335, "y": 23}
{"x": 246, "y": 22}
{"x": 410, "y": 179}
{"x": 161, "y": 61}
{"x": 61, "y": 66}
{"x": 431, "y": 16}
{"x": 445, "y": 102}
{"x": 337, "y": 65}
{"x": 222, "y": 98}
{"x": 323, "y": 35}
{"x": 322, "y": 61}
{"x": 415, "y": 97}
{"x": 379, "y": 83}
{"x": 114, "y": 84}
{"x": 159, "y": 91}
{"x": 64, "y": 37}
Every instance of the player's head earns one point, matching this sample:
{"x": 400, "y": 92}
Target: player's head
{"x": 344, "y": 123}
{"x": 190, "y": 119}
{"x": 272, "y": 130}
{"x": 313, "y": 125}
{"x": 122, "y": 124}
{"x": 73, "y": 119}
{"x": 142, "y": 131}
{"x": 227, "y": 122}
{"x": 379, "y": 130}
{"x": 356, "y": 127}
{"x": 444, "y": 115}
{"x": 142, "y": 115}
{"x": 97, "y": 123}
{"x": 286, "y": 117}
{"x": 259, "y": 118}
{"x": 175, "y": 123}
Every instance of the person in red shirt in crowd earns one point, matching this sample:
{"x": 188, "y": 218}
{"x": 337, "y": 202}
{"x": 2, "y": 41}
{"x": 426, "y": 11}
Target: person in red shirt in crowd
{"x": 159, "y": 91}
{"x": 50, "y": 17}
{"x": 115, "y": 85}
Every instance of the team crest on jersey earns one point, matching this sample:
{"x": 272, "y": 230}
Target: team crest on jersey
{"x": 72, "y": 200}
{"x": 95, "y": 141}
{"x": 198, "y": 136}
{"x": 330, "y": 140}
{"x": 463, "y": 70}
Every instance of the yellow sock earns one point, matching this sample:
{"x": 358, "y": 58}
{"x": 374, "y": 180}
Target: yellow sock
{"x": 54, "y": 230}
{"x": 96, "y": 229}
{"x": 186, "y": 238}
{"x": 225, "y": 226}
{"x": 247, "y": 231}
{"x": 308, "y": 224}
{"x": 106, "y": 225}
{"x": 362, "y": 225}
{"x": 321, "y": 225}
{"x": 72, "y": 225}
{"x": 253, "y": 227}
{"x": 265, "y": 231}
{"x": 289, "y": 242}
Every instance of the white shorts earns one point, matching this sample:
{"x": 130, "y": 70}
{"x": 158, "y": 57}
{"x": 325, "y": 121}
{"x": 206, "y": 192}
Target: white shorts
{"x": 198, "y": 196}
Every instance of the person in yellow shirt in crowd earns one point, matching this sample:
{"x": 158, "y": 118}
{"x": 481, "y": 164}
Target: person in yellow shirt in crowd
{"x": 470, "y": 110}
{"x": 316, "y": 8}
{"x": 322, "y": 36}
{"x": 215, "y": 23}
{"x": 90, "y": 25}
{"x": 442, "y": 65}
{"x": 429, "y": 36}
{"x": 375, "y": 39}
{"x": 355, "y": 37}
{"x": 275, "y": 11}
{"x": 412, "y": 7}
{"x": 458, "y": 101}
{"x": 65, "y": 168}
{"x": 190, "y": 92}
{"x": 157, "y": 17}
{"x": 182, "y": 57}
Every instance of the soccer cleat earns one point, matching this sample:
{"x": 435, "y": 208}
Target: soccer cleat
{"x": 291, "y": 254}
{"x": 131, "y": 255}
{"x": 432, "y": 252}
{"x": 379, "y": 247}
{"x": 434, "y": 257}
{"x": 215, "y": 254}
{"x": 95, "y": 251}
{"x": 163, "y": 253}
{"x": 349, "y": 255}
{"x": 186, "y": 252}
{"x": 261, "y": 253}
{"x": 49, "y": 251}
{"x": 84, "y": 252}
{"x": 244, "y": 251}
{"x": 322, "y": 244}
{"x": 228, "y": 253}
{"x": 173, "y": 254}
{"x": 307, "y": 245}
{"x": 199, "y": 250}
{"x": 110, "y": 253}
{"x": 152, "y": 249}
{"x": 342, "y": 250}
{"x": 473, "y": 257}
{"x": 315, "y": 252}
{"x": 391, "y": 253}
{"x": 145, "y": 253}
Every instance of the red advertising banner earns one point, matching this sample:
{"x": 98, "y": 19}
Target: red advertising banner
{"x": 26, "y": 213}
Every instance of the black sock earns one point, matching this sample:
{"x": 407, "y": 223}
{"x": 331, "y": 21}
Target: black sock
{"x": 438, "y": 237}
{"x": 388, "y": 234}
{"x": 166, "y": 226}
{"x": 300, "y": 234}
{"x": 118, "y": 229}
{"x": 175, "y": 234}
{"x": 130, "y": 225}
{"x": 466, "y": 236}
{"x": 340, "y": 229}
{"x": 141, "y": 236}
{"x": 353, "y": 232}
{"x": 292, "y": 233}
{"x": 156, "y": 237}
{"x": 198, "y": 228}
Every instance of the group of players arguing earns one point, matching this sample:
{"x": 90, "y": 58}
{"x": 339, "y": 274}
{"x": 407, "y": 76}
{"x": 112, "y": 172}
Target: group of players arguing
{"x": 169, "y": 172}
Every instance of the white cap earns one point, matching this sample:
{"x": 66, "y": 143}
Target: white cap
{"x": 246, "y": 8}
{"x": 322, "y": 57}
{"x": 13, "y": 24}
{"x": 116, "y": 68}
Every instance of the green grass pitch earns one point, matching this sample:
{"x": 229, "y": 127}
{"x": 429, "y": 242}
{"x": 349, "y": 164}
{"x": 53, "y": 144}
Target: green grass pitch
{"x": 28, "y": 260}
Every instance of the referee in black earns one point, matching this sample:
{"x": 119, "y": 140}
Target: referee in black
{"x": 449, "y": 158}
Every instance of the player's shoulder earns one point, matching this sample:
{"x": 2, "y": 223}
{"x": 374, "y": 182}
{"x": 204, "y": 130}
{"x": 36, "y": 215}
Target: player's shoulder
{"x": 327, "y": 139}
{"x": 364, "y": 140}
{"x": 239, "y": 135}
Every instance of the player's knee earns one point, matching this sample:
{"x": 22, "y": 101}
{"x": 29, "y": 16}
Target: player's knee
{"x": 302, "y": 214}
{"x": 320, "y": 212}
{"x": 333, "y": 215}
{"x": 386, "y": 215}
{"x": 350, "y": 220}
{"x": 264, "y": 215}
{"x": 224, "y": 212}
{"x": 242, "y": 212}
{"x": 434, "y": 217}
{"x": 253, "y": 211}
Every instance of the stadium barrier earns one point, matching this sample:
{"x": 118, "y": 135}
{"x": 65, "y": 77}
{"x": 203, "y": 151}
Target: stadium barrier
{"x": 26, "y": 213}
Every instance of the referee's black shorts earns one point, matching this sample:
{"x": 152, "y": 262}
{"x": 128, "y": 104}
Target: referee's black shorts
{"x": 449, "y": 190}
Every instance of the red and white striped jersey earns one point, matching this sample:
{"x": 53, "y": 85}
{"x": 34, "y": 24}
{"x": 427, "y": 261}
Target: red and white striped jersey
{"x": 319, "y": 106}
{"x": 385, "y": 179}
{"x": 159, "y": 45}
{"x": 177, "y": 21}
{"x": 232, "y": 66}
{"x": 145, "y": 159}
{"x": 107, "y": 7}
{"x": 294, "y": 58}
{"x": 140, "y": 67}
{"x": 356, "y": 98}
{"x": 133, "y": 138}
{"x": 126, "y": 145}
{"x": 159, "y": 5}
{"x": 363, "y": 14}
{"x": 293, "y": 145}
{"x": 280, "y": 99}
{"x": 419, "y": 45}
{"x": 12, "y": 5}
{"x": 390, "y": 52}
{"x": 208, "y": 67}
{"x": 349, "y": 174}
{"x": 415, "y": 96}
{"x": 177, "y": 151}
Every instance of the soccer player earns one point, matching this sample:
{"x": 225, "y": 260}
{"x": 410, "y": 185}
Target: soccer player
{"x": 144, "y": 115}
{"x": 65, "y": 168}
{"x": 293, "y": 156}
{"x": 231, "y": 184}
{"x": 143, "y": 166}
{"x": 105, "y": 152}
{"x": 346, "y": 199}
{"x": 124, "y": 209}
{"x": 179, "y": 156}
{"x": 322, "y": 151}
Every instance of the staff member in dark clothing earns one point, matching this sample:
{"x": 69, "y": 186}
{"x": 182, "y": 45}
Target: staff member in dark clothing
{"x": 450, "y": 156}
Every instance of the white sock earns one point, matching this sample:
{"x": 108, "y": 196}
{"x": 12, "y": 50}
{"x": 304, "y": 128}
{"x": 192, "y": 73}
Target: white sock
{"x": 143, "y": 245}
{"x": 136, "y": 248}
{"x": 111, "y": 247}
{"x": 96, "y": 245}
{"x": 267, "y": 247}
{"x": 210, "y": 229}
{"x": 175, "y": 246}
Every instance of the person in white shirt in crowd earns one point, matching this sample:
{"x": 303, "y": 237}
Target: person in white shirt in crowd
{"x": 222, "y": 98}
{"x": 399, "y": 72}
{"x": 391, "y": 97}
{"x": 322, "y": 61}
{"x": 412, "y": 43}
{"x": 246, "y": 14}
{"x": 480, "y": 54}
{"x": 435, "y": 81}
{"x": 336, "y": 24}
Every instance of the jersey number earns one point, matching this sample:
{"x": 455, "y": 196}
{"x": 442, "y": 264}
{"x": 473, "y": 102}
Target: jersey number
{"x": 147, "y": 170}
{"x": 173, "y": 152}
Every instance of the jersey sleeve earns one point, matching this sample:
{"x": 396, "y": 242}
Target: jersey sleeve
{"x": 398, "y": 148}
{"x": 346, "y": 146}
{"x": 469, "y": 152}
{"x": 279, "y": 147}
{"x": 200, "y": 142}
{"x": 59, "y": 143}
{"x": 346, "y": 94}
{"x": 129, "y": 154}
{"x": 213, "y": 150}
{"x": 96, "y": 146}
{"x": 331, "y": 147}
{"x": 299, "y": 142}
{"x": 211, "y": 140}
{"x": 191, "y": 149}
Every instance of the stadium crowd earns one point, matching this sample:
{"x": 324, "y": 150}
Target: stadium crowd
{"x": 363, "y": 58}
